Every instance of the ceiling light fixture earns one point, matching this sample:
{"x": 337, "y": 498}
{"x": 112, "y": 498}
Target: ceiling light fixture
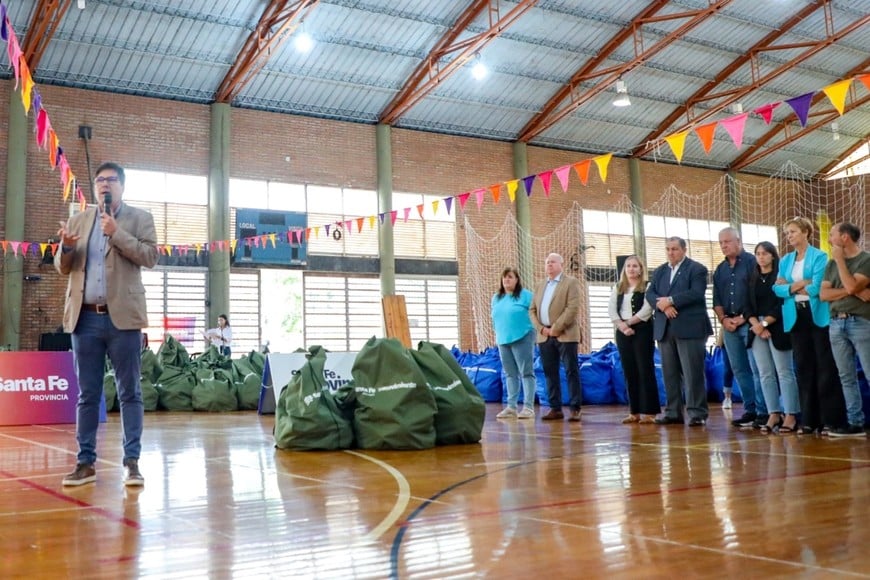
{"x": 621, "y": 99}
{"x": 81, "y": 4}
{"x": 479, "y": 70}
{"x": 835, "y": 127}
{"x": 303, "y": 41}
{"x": 737, "y": 108}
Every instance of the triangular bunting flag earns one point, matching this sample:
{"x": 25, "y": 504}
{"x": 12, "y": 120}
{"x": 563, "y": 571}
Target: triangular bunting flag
{"x": 836, "y": 93}
{"x": 326, "y": 227}
{"x": 478, "y": 196}
{"x": 512, "y": 186}
{"x": 603, "y": 161}
{"x": 435, "y": 205}
{"x": 463, "y": 199}
{"x": 382, "y": 216}
{"x": 801, "y": 106}
{"x": 562, "y": 176}
{"x": 677, "y": 142}
{"x": 766, "y": 111}
{"x": 407, "y": 212}
{"x": 272, "y": 239}
{"x": 582, "y": 169}
{"x": 865, "y": 80}
{"x": 705, "y": 134}
{"x": 735, "y": 126}
{"x": 372, "y": 220}
{"x": 528, "y": 184}
{"x": 26, "y": 85}
{"x": 393, "y": 215}
{"x": 359, "y": 224}
{"x": 496, "y": 192}
{"x": 448, "y": 203}
{"x": 420, "y": 210}
{"x": 546, "y": 176}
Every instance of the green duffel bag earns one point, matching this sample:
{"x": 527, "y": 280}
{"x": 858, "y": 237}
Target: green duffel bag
{"x": 214, "y": 396}
{"x": 151, "y": 367}
{"x": 307, "y": 416}
{"x": 172, "y": 353}
{"x": 150, "y": 396}
{"x": 394, "y": 407}
{"x": 212, "y": 359}
{"x": 248, "y": 392}
{"x": 110, "y": 392}
{"x": 461, "y": 411}
{"x": 175, "y": 389}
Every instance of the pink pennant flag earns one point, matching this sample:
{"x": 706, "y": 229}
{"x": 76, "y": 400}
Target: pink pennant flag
{"x": 393, "y": 215}
{"x": 348, "y": 226}
{"x": 13, "y": 49}
{"x": 42, "y": 126}
{"x": 735, "y": 126}
{"x": 463, "y": 199}
{"x": 14, "y": 247}
{"x": 478, "y": 194}
{"x": 546, "y": 176}
{"x": 562, "y": 176}
{"x": 407, "y": 212}
{"x": 801, "y": 106}
{"x": 24, "y": 247}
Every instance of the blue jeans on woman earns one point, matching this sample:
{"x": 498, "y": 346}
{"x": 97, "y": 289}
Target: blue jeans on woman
{"x": 849, "y": 337}
{"x": 776, "y": 371}
{"x": 93, "y": 338}
{"x": 516, "y": 359}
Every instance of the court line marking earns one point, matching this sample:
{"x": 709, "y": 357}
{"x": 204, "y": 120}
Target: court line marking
{"x": 399, "y": 506}
{"x": 56, "y": 448}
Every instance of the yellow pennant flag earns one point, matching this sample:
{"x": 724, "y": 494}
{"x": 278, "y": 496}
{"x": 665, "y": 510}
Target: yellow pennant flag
{"x": 435, "y": 206}
{"x": 168, "y": 249}
{"x": 233, "y": 244}
{"x": 512, "y": 186}
{"x": 837, "y": 94}
{"x": 602, "y": 161}
{"x": 372, "y": 220}
{"x": 26, "y": 85}
{"x": 823, "y": 222}
{"x": 677, "y": 142}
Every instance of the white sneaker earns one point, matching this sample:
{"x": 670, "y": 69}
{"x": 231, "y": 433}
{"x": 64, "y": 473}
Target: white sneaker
{"x": 726, "y": 404}
{"x": 507, "y": 413}
{"x": 526, "y": 413}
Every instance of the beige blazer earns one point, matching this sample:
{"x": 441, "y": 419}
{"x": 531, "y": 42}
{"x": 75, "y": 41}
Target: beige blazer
{"x": 133, "y": 247}
{"x": 564, "y": 310}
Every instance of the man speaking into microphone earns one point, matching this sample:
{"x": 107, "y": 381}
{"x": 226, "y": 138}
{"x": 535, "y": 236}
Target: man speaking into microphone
{"x": 103, "y": 250}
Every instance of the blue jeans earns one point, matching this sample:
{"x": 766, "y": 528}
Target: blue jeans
{"x": 776, "y": 372}
{"x": 850, "y": 337}
{"x": 516, "y": 358}
{"x": 742, "y": 363}
{"x": 93, "y": 338}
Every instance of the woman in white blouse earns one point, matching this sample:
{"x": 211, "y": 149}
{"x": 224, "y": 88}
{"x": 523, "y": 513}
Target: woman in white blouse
{"x": 222, "y": 336}
{"x": 632, "y": 320}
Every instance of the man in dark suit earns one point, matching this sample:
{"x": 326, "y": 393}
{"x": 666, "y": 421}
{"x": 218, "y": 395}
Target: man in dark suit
{"x": 555, "y": 312}
{"x": 681, "y": 328}
{"x": 104, "y": 249}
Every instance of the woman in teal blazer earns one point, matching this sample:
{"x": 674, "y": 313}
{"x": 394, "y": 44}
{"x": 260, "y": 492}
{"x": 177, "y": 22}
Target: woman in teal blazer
{"x": 806, "y": 318}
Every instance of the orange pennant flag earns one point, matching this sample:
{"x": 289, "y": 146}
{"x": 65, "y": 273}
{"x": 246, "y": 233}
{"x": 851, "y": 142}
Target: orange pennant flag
{"x": 677, "y": 142}
{"x": 602, "y": 161}
{"x": 496, "y": 191}
{"x": 837, "y": 94}
{"x": 512, "y": 186}
{"x": 359, "y": 224}
{"x": 420, "y": 210}
{"x": 865, "y": 80}
{"x": 52, "y": 147}
{"x": 582, "y": 169}
{"x": 705, "y": 134}
{"x": 68, "y": 185}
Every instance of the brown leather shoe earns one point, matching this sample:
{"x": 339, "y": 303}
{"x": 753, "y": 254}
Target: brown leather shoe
{"x": 575, "y": 415}
{"x": 553, "y": 415}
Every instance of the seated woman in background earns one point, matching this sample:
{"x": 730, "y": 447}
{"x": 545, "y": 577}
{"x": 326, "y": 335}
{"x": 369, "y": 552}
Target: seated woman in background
{"x": 515, "y": 337}
{"x": 770, "y": 344}
{"x": 631, "y": 315}
{"x": 222, "y": 336}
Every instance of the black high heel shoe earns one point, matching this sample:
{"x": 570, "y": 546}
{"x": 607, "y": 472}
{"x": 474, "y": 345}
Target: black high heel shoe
{"x": 768, "y": 428}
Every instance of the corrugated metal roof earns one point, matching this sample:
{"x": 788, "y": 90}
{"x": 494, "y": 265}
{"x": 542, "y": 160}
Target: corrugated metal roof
{"x": 366, "y": 51}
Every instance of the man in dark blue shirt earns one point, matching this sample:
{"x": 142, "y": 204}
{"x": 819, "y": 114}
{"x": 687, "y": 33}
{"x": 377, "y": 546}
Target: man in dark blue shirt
{"x": 730, "y": 299}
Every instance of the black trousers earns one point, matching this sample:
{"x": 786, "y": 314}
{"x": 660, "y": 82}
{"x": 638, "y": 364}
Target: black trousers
{"x": 819, "y": 388}
{"x": 638, "y": 367}
{"x": 553, "y": 353}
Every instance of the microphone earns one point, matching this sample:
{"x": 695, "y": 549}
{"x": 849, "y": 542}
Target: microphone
{"x": 107, "y": 203}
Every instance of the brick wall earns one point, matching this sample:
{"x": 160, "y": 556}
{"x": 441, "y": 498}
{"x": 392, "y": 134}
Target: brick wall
{"x": 143, "y": 133}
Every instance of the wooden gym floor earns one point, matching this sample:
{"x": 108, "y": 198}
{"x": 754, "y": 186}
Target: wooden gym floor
{"x": 597, "y": 500}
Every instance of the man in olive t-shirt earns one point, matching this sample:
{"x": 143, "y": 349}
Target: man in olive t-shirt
{"x": 845, "y": 286}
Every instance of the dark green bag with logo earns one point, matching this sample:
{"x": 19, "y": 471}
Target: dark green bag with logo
{"x": 307, "y": 416}
{"x": 461, "y": 409}
{"x": 394, "y": 407}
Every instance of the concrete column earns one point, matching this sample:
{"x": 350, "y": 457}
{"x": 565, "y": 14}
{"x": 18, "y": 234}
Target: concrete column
{"x": 735, "y": 210}
{"x": 637, "y": 212}
{"x": 524, "y": 217}
{"x": 218, "y": 297}
{"x": 16, "y": 186}
{"x": 386, "y": 248}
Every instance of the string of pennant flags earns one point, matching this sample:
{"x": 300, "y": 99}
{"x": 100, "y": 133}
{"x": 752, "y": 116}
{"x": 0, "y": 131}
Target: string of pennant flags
{"x": 47, "y": 139}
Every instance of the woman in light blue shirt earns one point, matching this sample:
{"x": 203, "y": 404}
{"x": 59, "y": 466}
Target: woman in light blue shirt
{"x": 515, "y": 337}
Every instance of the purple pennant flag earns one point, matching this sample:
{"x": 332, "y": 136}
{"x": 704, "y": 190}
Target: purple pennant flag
{"x": 528, "y": 182}
{"x": 801, "y": 106}
{"x": 448, "y": 203}
{"x": 4, "y": 34}
{"x": 382, "y": 216}
{"x": 36, "y": 99}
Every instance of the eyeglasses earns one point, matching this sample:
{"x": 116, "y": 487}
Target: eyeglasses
{"x": 110, "y": 179}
